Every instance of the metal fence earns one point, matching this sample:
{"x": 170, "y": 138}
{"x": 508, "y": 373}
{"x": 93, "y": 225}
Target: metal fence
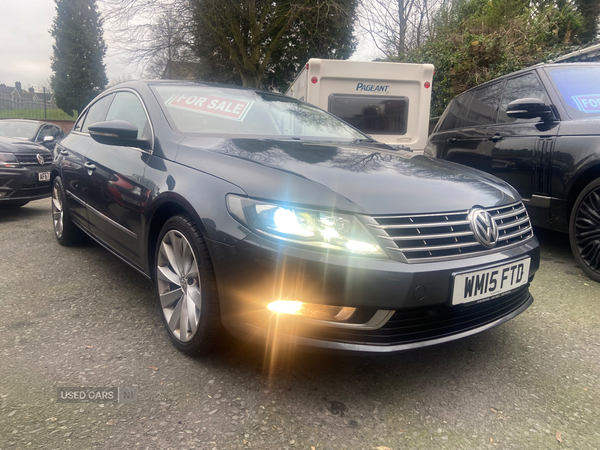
{"x": 17, "y": 102}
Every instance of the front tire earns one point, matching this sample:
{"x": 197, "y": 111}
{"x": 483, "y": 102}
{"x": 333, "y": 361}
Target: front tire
{"x": 584, "y": 230}
{"x": 66, "y": 232}
{"x": 185, "y": 281}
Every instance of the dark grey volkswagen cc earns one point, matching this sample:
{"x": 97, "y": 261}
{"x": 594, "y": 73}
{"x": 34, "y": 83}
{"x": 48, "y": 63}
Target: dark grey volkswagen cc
{"x": 278, "y": 222}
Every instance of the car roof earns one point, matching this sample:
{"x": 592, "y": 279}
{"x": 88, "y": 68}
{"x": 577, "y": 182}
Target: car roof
{"x": 530, "y": 69}
{"x": 137, "y": 83}
{"x": 24, "y": 120}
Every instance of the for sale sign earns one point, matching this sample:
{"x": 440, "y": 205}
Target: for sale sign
{"x": 589, "y": 103}
{"x": 210, "y": 104}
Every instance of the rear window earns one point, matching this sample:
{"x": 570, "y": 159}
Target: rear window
{"x": 484, "y": 105}
{"x": 456, "y": 113}
{"x": 371, "y": 114}
{"x": 579, "y": 88}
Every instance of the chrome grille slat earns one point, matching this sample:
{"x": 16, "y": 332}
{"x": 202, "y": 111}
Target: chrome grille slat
{"x": 431, "y": 236}
{"x": 509, "y": 214}
{"x": 431, "y": 248}
{"x": 408, "y": 216}
{"x": 428, "y": 237}
{"x": 423, "y": 225}
{"x": 514, "y": 223}
{"x": 517, "y": 233}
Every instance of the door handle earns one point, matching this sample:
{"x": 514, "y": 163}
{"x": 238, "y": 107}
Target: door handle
{"x": 452, "y": 139}
{"x": 89, "y": 166}
{"x": 496, "y": 138}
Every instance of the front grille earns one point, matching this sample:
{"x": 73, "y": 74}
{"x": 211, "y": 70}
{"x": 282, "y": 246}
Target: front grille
{"x": 424, "y": 324}
{"x": 29, "y": 159}
{"x": 430, "y": 237}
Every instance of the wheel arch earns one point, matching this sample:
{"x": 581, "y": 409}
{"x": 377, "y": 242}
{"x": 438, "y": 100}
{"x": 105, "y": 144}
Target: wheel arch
{"x": 583, "y": 179}
{"x": 54, "y": 172}
{"x": 164, "y": 209}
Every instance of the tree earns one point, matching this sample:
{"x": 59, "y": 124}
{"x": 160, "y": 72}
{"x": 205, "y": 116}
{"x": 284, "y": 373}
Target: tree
{"x": 478, "y": 40}
{"x": 590, "y": 11}
{"x": 257, "y": 37}
{"x": 79, "y": 73}
{"x": 397, "y": 26}
{"x": 252, "y": 42}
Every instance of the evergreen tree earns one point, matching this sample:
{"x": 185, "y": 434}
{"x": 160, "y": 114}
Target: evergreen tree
{"x": 263, "y": 43}
{"x": 79, "y": 73}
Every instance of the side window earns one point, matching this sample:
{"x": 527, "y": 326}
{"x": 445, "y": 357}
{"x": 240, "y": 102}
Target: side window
{"x": 45, "y": 131}
{"x": 57, "y": 132}
{"x": 95, "y": 113}
{"x": 525, "y": 86}
{"x": 484, "y": 105}
{"x": 79, "y": 123}
{"x": 457, "y": 112}
{"x": 126, "y": 106}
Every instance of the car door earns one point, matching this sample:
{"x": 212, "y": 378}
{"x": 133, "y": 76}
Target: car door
{"x": 461, "y": 142}
{"x": 117, "y": 194}
{"x": 71, "y": 153}
{"x": 471, "y": 147}
{"x": 521, "y": 149}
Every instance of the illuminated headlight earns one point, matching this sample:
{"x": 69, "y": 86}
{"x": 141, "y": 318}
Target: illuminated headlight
{"x": 8, "y": 160}
{"x": 311, "y": 310}
{"x": 324, "y": 230}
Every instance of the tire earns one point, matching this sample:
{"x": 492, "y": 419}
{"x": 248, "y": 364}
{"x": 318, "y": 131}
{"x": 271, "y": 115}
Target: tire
{"x": 187, "y": 293}
{"x": 584, "y": 230}
{"x": 65, "y": 231}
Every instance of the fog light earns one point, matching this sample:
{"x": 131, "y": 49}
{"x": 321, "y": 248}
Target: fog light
{"x": 311, "y": 310}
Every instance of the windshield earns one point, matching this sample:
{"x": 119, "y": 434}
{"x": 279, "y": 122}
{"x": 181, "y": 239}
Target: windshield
{"x": 224, "y": 111}
{"x": 17, "y": 129}
{"x": 579, "y": 87}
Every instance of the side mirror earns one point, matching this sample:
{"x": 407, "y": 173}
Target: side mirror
{"x": 528, "y": 108}
{"x": 48, "y": 139}
{"x": 117, "y": 132}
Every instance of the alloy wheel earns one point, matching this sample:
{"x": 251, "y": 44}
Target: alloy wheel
{"x": 57, "y": 211}
{"x": 587, "y": 229}
{"x": 179, "y": 286}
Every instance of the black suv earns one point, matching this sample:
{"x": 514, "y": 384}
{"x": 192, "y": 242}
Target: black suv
{"x": 539, "y": 130}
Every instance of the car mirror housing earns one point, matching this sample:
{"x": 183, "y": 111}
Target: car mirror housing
{"x": 528, "y": 108}
{"x": 48, "y": 139}
{"x": 117, "y": 132}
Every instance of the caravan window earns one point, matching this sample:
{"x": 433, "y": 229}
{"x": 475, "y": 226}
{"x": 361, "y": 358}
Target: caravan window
{"x": 371, "y": 114}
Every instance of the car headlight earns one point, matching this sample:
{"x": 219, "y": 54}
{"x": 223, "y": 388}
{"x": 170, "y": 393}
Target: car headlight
{"x": 8, "y": 160}
{"x": 320, "y": 229}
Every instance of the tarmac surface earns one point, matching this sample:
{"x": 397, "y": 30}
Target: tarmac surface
{"x": 76, "y": 317}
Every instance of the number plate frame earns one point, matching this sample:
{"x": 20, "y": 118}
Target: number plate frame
{"x": 482, "y": 280}
{"x": 43, "y": 176}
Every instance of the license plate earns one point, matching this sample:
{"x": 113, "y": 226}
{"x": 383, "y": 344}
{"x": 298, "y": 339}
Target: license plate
{"x": 490, "y": 283}
{"x": 44, "y": 176}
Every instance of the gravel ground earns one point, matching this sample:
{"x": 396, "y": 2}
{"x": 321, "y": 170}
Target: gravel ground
{"x": 81, "y": 317}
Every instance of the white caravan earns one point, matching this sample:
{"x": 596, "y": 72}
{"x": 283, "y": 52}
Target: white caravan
{"x": 388, "y": 101}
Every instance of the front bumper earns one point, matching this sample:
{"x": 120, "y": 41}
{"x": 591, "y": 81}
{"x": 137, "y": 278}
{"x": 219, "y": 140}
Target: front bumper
{"x": 400, "y": 305}
{"x": 21, "y": 184}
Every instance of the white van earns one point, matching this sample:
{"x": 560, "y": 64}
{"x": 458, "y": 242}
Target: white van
{"x": 388, "y": 101}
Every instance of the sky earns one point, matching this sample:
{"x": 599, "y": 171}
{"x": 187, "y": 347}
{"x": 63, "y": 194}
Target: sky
{"x": 26, "y": 45}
